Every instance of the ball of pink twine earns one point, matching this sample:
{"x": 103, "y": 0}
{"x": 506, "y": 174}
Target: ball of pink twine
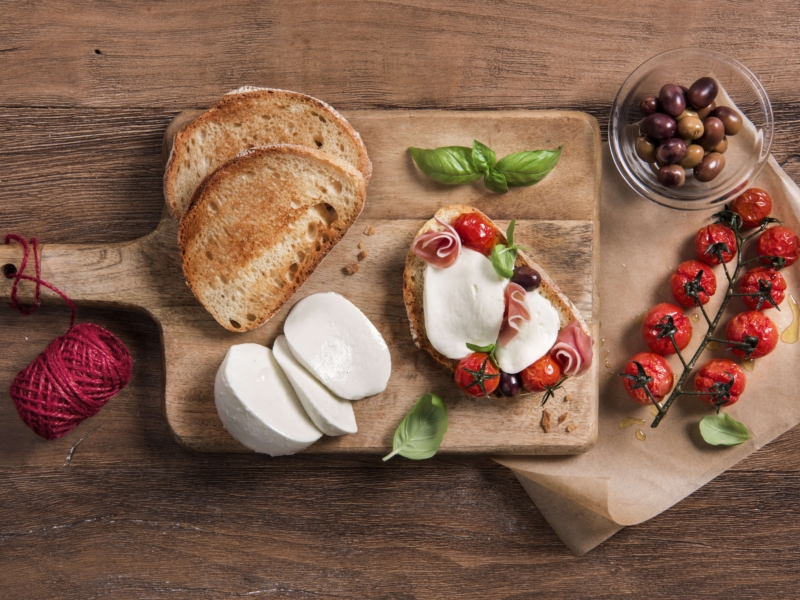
{"x": 76, "y": 374}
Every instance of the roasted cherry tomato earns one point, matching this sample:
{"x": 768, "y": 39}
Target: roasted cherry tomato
{"x": 654, "y": 367}
{"x": 540, "y": 375}
{"x": 753, "y": 205}
{"x": 758, "y": 279}
{"x": 656, "y": 328}
{"x": 709, "y": 242}
{"x": 686, "y": 273}
{"x": 723, "y": 379}
{"x": 779, "y": 241}
{"x": 477, "y": 375}
{"x": 752, "y": 327}
{"x": 476, "y": 232}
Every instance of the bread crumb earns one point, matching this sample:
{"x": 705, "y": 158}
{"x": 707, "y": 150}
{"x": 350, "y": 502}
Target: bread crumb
{"x": 351, "y": 269}
{"x": 568, "y": 398}
{"x": 370, "y": 230}
{"x": 545, "y": 421}
{"x": 563, "y": 417}
{"x": 360, "y": 245}
{"x": 363, "y": 254}
{"x": 571, "y": 427}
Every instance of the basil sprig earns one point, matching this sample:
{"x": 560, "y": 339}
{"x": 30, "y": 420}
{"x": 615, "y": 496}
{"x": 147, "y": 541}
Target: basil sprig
{"x": 723, "y": 430}
{"x": 420, "y": 433}
{"x": 504, "y": 256}
{"x": 454, "y": 165}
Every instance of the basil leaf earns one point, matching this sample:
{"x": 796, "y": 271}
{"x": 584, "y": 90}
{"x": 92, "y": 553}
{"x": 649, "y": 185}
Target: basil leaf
{"x": 510, "y": 233}
{"x": 450, "y": 165}
{"x": 495, "y": 181}
{"x": 486, "y": 349}
{"x": 527, "y": 168}
{"x": 503, "y": 259}
{"x": 483, "y": 157}
{"x": 421, "y": 431}
{"x": 723, "y": 430}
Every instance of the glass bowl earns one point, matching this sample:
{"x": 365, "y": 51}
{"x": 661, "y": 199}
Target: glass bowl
{"x": 747, "y": 151}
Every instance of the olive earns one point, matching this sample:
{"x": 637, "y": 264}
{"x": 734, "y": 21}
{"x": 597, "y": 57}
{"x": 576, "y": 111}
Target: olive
{"x": 649, "y": 105}
{"x": 694, "y": 154}
{"x": 703, "y": 113}
{"x": 713, "y": 132}
{"x": 721, "y": 147}
{"x": 659, "y": 126}
{"x": 510, "y": 384}
{"x": 731, "y": 119}
{"x": 646, "y": 149}
{"x": 702, "y": 92}
{"x": 711, "y": 166}
{"x": 672, "y": 101}
{"x": 671, "y": 176}
{"x": 527, "y": 278}
{"x": 684, "y": 89}
{"x": 686, "y": 113}
{"x": 671, "y": 151}
{"x": 690, "y": 127}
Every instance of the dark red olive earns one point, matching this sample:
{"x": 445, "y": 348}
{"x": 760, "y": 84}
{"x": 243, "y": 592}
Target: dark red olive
{"x": 702, "y": 113}
{"x": 671, "y": 176}
{"x": 713, "y": 132}
{"x": 702, "y": 92}
{"x": 649, "y": 105}
{"x": 510, "y": 385}
{"x": 671, "y": 151}
{"x": 711, "y": 166}
{"x": 731, "y": 119}
{"x": 672, "y": 101}
{"x": 684, "y": 89}
{"x": 527, "y": 278}
{"x": 659, "y": 126}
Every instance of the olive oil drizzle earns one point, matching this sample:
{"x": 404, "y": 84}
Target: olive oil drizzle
{"x": 790, "y": 334}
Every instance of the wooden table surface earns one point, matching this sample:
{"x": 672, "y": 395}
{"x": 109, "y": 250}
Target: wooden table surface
{"x": 86, "y": 91}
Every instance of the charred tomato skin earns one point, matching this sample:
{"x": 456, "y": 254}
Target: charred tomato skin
{"x": 655, "y": 366}
{"x": 779, "y": 241}
{"x": 748, "y": 284}
{"x": 650, "y": 330}
{"x": 542, "y": 374}
{"x": 720, "y": 370}
{"x": 476, "y": 232}
{"x": 686, "y": 272}
{"x": 715, "y": 233}
{"x": 753, "y": 206}
{"x": 756, "y": 324}
{"x": 467, "y": 381}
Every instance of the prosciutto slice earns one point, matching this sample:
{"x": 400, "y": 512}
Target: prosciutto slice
{"x": 439, "y": 248}
{"x": 573, "y": 350}
{"x": 516, "y": 313}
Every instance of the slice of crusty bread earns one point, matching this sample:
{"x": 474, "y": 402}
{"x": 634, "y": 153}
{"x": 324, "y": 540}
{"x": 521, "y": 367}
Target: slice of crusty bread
{"x": 250, "y": 118}
{"x": 259, "y": 226}
{"x": 414, "y": 283}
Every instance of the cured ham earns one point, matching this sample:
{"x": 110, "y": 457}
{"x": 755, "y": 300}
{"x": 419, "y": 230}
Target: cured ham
{"x": 516, "y": 313}
{"x": 573, "y": 350}
{"x": 438, "y": 248}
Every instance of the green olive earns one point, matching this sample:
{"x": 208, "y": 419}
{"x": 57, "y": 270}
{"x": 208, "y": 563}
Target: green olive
{"x": 646, "y": 149}
{"x": 694, "y": 154}
{"x": 690, "y": 127}
{"x": 722, "y": 146}
{"x": 686, "y": 113}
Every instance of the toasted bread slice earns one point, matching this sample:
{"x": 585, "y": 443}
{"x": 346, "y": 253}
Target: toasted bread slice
{"x": 259, "y": 226}
{"x": 250, "y": 118}
{"x": 414, "y": 283}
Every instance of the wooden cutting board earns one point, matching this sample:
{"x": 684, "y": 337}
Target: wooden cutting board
{"x": 557, "y": 220}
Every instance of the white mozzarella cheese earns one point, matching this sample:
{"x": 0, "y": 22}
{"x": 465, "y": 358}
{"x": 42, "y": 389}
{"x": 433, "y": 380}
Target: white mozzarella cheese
{"x": 463, "y": 304}
{"x": 258, "y": 406}
{"x": 535, "y": 337}
{"x": 330, "y": 413}
{"x": 338, "y": 344}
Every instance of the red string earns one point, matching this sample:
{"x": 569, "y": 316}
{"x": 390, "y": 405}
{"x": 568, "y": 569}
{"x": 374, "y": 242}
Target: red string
{"x": 76, "y": 374}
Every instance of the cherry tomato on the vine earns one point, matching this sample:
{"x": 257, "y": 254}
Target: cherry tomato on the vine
{"x": 752, "y": 281}
{"x": 723, "y": 379}
{"x": 656, "y": 328}
{"x": 752, "y": 325}
{"x": 687, "y": 273}
{"x": 540, "y": 375}
{"x": 779, "y": 241}
{"x": 753, "y": 205}
{"x": 477, "y": 375}
{"x": 715, "y": 236}
{"x": 654, "y": 366}
{"x": 476, "y": 232}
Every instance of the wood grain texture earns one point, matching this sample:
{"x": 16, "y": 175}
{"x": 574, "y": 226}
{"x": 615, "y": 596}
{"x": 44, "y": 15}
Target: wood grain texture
{"x": 136, "y": 516}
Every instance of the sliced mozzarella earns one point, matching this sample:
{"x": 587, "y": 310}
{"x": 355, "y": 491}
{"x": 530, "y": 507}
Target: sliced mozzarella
{"x": 463, "y": 304}
{"x": 258, "y": 406}
{"x": 535, "y": 337}
{"x": 338, "y": 344}
{"x": 330, "y": 413}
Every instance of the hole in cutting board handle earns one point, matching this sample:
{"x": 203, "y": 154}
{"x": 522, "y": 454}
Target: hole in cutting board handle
{"x": 9, "y": 270}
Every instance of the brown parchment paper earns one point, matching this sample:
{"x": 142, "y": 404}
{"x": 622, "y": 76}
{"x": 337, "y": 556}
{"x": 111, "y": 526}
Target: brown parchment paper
{"x": 624, "y": 481}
